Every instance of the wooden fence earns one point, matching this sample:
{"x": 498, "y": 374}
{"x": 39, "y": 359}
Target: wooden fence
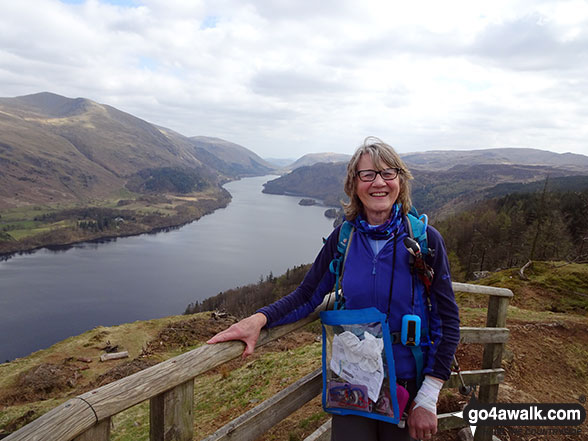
{"x": 169, "y": 387}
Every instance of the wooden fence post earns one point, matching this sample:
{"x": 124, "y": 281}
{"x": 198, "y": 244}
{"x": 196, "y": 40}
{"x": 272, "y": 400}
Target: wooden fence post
{"x": 492, "y": 358}
{"x": 100, "y": 432}
{"x": 171, "y": 414}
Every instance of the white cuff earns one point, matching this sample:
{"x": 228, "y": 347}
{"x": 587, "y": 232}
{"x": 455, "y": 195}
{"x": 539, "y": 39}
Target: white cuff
{"x": 428, "y": 395}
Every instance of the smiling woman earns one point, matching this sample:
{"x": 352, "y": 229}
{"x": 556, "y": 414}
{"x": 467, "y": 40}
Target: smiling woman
{"x": 375, "y": 258}
{"x": 376, "y": 179}
{"x": 377, "y": 193}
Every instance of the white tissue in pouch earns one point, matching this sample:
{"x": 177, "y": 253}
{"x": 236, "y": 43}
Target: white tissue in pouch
{"x": 359, "y": 361}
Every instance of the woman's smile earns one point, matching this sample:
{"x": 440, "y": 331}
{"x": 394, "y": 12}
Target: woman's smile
{"x": 377, "y": 196}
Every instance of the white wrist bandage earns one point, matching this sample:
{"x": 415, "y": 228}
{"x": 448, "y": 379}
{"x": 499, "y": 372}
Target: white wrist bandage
{"x": 428, "y": 395}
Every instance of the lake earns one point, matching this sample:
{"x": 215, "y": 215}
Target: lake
{"x": 48, "y": 295}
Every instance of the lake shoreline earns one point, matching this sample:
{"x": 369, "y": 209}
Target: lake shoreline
{"x": 56, "y": 240}
{"x": 56, "y": 293}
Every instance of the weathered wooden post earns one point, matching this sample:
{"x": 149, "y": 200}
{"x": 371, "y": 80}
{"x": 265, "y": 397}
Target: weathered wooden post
{"x": 171, "y": 414}
{"x": 492, "y": 358}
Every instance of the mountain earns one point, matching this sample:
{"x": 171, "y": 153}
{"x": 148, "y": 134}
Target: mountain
{"x": 315, "y": 158}
{"x": 58, "y": 149}
{"x": 229, "y": 158}
{"x": 448, "y": 191}
{"x": 447, "y": 159}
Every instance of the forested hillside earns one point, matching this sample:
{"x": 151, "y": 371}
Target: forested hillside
{"x": 508, "y": 231}
{"x": 245, "y": 300}
{"x": 439, "y": 193}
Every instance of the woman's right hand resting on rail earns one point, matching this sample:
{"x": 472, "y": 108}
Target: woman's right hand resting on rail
{"x": 247, "y": 330}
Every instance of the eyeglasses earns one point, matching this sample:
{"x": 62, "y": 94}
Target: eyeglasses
{"x": 370, "y": 175}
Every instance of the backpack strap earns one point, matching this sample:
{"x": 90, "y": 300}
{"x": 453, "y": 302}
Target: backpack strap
{"x": 418, "y": 250}
{"x": 417, "y": 229}
{"x": 417, "y": 353}
{"x": 338, "y": 263}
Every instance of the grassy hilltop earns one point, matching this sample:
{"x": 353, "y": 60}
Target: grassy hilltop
{"x": 545, "y": 360}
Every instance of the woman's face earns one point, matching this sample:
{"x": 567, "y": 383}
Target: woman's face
{"x": 377, "y": 196}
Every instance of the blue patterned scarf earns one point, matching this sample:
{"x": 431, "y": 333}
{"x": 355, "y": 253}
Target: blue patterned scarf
{"x": 385, "y": 231}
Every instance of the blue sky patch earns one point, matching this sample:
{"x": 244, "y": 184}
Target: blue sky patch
{"x": 147, "y": 63}
{"x": 209, "y": 22}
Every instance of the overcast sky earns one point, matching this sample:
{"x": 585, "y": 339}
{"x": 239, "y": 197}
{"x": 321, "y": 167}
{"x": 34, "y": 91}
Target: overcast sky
{"x": 289, "y": 77}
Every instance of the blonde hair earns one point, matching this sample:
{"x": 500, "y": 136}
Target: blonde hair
{"x": 383, "y": 156}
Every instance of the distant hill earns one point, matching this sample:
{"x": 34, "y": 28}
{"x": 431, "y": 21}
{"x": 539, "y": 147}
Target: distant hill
{"x": 315, "y": 158}
{"x": 447, "y": 159}
{"x": 229, "y": 158}
{"x": 54, "y": 148}
{"x": 280, "y": 162}
{"x": 449, "y": 191}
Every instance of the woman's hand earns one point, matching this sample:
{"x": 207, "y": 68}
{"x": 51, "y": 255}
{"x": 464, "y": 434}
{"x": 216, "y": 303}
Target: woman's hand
{"x": 422, "y": 424}
{"x": 422, "y": 419}
{"x": 247, "y": 330}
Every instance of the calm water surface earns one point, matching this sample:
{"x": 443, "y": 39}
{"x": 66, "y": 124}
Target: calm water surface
{"x": 50, "y": 295}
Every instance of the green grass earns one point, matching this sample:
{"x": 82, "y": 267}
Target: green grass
{"x": 551, "y": 286}
{"x": 219, "y": 398}
{"x": 311, "y": 420}
{"x": 12, "y": 413}
{"x": 20, "y": 222}
{"x": 31, "y": 228}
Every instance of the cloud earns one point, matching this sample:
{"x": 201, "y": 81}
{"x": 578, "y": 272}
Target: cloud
{"x": 533, "y": 42}
{"x": 286, "y": 78}
{"x": 290, "y": 83}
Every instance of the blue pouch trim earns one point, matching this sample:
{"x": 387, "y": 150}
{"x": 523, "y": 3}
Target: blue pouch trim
{"x": 353, "y": 317}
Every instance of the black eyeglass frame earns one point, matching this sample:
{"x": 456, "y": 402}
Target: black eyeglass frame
{"x": 376, "y": 173}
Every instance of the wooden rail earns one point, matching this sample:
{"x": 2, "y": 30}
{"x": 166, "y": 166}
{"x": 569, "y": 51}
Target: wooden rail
{"x": 169, "y": 387}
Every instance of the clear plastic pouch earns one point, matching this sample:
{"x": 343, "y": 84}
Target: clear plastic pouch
{"x": 358, "y": 366}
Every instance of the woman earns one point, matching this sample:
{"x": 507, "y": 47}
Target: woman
{"x": 377, "y": 274}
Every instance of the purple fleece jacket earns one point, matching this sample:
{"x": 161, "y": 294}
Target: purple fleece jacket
{"x": 366, "y": 282}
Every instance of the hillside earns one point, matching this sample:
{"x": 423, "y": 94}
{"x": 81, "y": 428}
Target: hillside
{"x": 229, "y": 158}
{"x": 57, "y": 149}
{"x": 509, "y": 231}
{"x": 321, "y": 181}
{"x": 60, "y": 156}
{"x": 544, "y": 361}
{"x": 60, "y": 149}
{"x": 316, "y": 158}
{"x": 447, "y": 159}
{"x": 442, "y": 192}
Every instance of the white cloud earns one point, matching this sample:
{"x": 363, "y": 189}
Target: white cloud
{"x": 286, "y": 78}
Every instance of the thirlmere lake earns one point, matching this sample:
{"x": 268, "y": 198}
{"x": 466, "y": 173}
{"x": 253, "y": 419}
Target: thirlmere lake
{"x": 47, "y": 296}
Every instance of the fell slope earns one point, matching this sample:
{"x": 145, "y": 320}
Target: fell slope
{"x": 59, "y": 149}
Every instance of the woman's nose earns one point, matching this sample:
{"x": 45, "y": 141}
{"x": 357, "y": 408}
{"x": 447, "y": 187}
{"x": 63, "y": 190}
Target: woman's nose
{"x": 379, "y": 180}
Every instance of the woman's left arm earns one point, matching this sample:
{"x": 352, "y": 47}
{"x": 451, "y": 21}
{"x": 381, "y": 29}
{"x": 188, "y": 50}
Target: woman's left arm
{"x": 444, "y": 313}
{"x": 444, "y": 336}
